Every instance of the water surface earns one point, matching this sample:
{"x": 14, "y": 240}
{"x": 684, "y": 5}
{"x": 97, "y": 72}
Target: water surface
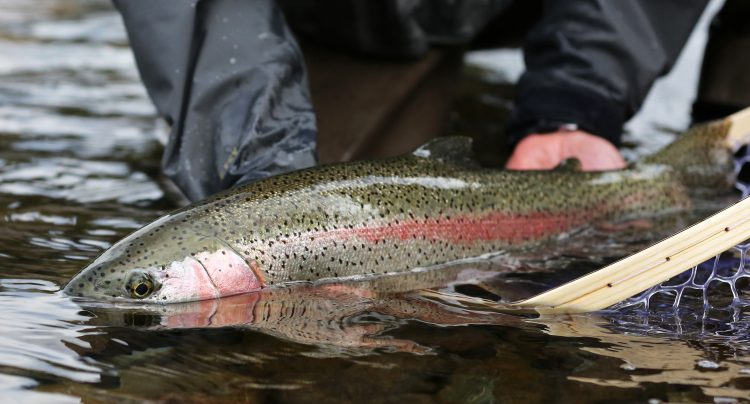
{"x": 79, "y": 170}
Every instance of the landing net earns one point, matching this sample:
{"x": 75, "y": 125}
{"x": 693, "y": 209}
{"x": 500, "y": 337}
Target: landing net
{"x": 721, "y": 283}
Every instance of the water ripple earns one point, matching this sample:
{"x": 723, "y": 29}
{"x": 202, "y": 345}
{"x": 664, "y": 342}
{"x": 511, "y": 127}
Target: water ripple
{"x": 80, "y": 181}
{"x": 42, "y": 332}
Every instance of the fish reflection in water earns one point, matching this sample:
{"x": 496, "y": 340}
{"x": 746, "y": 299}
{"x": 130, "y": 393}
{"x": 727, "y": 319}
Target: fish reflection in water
{"x": 48, "y": 336}
{"x": 342, "y": 315}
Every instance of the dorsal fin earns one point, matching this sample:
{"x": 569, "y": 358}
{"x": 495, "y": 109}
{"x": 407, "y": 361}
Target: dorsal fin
{"x": 448, "y": 149}
{"x": 570, "y": 164}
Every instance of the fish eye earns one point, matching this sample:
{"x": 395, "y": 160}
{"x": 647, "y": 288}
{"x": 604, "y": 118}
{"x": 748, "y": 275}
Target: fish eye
{"x": 141, "y": 287}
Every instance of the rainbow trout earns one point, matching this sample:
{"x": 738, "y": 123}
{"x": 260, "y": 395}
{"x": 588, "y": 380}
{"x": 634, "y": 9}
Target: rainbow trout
{"x": 371, "y": 218}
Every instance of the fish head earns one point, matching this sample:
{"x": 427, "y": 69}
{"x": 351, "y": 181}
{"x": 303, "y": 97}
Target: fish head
{"x": 164, "y": 263}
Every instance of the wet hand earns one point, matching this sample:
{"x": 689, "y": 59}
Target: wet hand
{"x": 545, "y": 152}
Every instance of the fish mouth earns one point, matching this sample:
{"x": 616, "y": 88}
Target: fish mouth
{"x": 79, "y": 286}
{"x": 67, "y": 289}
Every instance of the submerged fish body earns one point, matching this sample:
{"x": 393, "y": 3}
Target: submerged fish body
{"x": 372, "y": 218}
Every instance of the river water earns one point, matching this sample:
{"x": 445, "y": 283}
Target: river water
{"x": 79, "y": 169}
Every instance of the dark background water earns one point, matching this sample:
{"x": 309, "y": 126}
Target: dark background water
{"x": 79, "y": 169}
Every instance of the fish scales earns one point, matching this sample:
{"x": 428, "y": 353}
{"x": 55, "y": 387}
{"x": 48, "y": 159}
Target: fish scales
{"x": 373, "y": 218}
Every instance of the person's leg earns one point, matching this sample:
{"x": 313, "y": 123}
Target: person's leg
{"x": 228, "y": 77}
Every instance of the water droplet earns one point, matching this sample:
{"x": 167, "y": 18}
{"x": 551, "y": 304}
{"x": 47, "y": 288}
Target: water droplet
{"x": 232, "y": 60}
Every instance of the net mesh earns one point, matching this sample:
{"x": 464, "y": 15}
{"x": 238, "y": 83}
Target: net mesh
{"x": 720, "y": 283}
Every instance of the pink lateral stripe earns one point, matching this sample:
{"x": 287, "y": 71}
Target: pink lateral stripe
{"x": 507, "y": 228}
{"x": 468, "y": 229}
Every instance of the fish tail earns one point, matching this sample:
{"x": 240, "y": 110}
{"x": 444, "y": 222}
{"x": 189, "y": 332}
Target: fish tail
{"x": 703, "y": 157}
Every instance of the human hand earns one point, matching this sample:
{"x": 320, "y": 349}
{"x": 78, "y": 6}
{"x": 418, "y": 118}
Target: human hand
{"x": 545, "y": 152}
